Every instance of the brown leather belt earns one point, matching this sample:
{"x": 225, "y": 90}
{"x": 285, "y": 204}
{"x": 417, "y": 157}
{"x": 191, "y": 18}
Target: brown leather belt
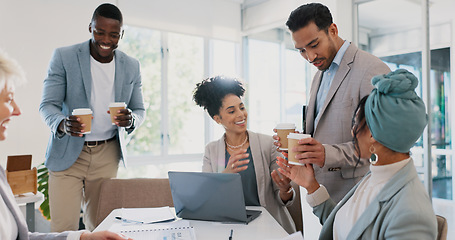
{"x": 96, "y": 143}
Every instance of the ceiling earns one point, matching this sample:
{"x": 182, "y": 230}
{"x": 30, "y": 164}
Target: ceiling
{"x": 383, "y": 15}
{"x": 388, "y": 15}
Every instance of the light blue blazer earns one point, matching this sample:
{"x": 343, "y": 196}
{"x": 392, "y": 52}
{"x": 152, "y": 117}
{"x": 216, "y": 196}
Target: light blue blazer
{"x": 6, "y": 195}
{"x": 68, "y": 85}
{"x": 402, "y": 210}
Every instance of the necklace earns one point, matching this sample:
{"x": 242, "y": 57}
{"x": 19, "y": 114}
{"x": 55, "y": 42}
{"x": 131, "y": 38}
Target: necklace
{"x": 238, "y": 146}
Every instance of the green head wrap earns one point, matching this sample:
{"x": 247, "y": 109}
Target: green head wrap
{"x": 394, "y": 113}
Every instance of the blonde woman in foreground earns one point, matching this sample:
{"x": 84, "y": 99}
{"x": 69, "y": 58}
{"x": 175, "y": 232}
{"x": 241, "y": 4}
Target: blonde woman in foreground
{"x": 13, "y": 225}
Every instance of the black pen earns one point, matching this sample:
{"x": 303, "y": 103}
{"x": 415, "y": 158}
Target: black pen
{"x": 135, "y": 221}
{"x": 128, "y": 220}
{"x": 230, "y": 237}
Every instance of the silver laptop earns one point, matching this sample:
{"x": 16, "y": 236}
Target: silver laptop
{"x": 210, "y": 196}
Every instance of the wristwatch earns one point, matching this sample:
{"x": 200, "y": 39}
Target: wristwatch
{"x": 133, "y": 121}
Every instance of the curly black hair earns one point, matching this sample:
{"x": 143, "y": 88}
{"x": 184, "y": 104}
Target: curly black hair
{"x": 210, "y": 93}
{"x": 358, "y": 125}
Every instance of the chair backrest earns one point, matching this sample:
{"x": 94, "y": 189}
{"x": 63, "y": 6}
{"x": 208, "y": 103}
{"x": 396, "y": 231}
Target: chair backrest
{"x": 133, "y": 193}
{"x": 296, "y": 209}
{"x": 442, "y": 228}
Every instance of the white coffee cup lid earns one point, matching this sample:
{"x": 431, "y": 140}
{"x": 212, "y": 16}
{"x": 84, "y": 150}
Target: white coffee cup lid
{"x": 298, "y": 135}
{"x": 285, "y": 126}
{"x": 82, "y": 111}
{"x": 117, "y": 104}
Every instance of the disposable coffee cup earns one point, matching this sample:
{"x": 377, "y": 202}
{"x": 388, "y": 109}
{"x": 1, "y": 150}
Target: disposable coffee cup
{"x": 85, "y": 114}
{"x": 113, "y": 108}
{"x": 283, "y": 130}
{"x": 293, "y": 138}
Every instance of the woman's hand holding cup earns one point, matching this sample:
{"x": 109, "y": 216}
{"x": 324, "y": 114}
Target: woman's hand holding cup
{"x": 303, "y": 175}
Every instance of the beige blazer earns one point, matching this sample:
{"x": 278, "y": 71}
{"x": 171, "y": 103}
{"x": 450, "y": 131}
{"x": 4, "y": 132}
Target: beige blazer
{"x": 351, "y": 83}
{"x": 264, "y": 159}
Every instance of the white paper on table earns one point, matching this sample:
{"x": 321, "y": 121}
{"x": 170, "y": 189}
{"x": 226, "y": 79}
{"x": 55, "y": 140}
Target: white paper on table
{"x": 178, "y": 230}
{"x": 147, "y": 215}
{"x": 294, "y": 236}
{"x": 117, "y": 226}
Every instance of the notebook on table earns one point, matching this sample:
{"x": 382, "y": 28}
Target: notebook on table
{"x": 210, "y": 196}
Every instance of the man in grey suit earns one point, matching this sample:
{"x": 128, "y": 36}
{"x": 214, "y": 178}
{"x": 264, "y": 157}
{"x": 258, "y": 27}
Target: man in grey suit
{"x": 91, "y": 75}
{"x": 344, "y": 77}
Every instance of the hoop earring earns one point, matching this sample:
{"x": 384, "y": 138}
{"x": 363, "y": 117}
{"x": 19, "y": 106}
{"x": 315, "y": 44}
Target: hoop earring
{"x": 374, "y": 157}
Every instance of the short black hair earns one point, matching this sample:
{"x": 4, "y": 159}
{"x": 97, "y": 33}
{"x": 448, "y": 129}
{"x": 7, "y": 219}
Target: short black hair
{"x": 307, "y": 13}
{"x": 108, "y": 10}
{"x": 210, "y": 93}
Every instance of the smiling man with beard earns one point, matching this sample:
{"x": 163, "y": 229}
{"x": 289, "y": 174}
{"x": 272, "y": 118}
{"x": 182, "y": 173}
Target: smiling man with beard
{"x": 344, "y": 77}
{"x": 91, "y": 75}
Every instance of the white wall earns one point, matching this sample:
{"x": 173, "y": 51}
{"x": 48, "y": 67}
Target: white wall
{"x": 274, "y": 14}
{"x": 32, "y": 29}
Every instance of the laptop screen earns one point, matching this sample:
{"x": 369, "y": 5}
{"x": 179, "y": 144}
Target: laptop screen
{"x": 208, "y": 196}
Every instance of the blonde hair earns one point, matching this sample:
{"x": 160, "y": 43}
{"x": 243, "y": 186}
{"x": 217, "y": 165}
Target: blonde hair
{"x": 10, "y": 70}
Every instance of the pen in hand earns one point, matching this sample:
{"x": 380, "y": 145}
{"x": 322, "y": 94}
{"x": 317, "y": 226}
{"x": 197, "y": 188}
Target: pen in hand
{"x": 230, "y": 236}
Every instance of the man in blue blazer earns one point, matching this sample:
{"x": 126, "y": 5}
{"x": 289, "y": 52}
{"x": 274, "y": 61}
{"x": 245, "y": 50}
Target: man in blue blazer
{"x": 91, "y": 75}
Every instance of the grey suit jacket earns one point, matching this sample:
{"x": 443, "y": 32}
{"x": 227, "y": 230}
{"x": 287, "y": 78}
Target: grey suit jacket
{"x": 351, "y": 83}
{"x": 264, "y": 159}
{"x": 68, "y": 86}
{"x": 401, "y": 210}
{"x": 6, "y": 195}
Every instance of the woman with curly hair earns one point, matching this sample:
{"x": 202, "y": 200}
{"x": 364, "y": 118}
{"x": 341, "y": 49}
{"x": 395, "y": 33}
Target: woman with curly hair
{"x": 239, "y": 150}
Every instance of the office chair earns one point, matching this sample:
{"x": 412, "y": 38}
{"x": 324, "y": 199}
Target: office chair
{"x": 133, "y": 193}
{"x": 296, "y": 209}
{"x": 442, "y": 227}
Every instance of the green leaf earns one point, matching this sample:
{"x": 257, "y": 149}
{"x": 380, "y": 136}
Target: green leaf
{"x": 43, "y": 187}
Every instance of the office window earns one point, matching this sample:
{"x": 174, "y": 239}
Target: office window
{"x": 224, "y": 61}
{"x": 186, "y": 68}
{"x": 277, "y": 77}
{"x": 145, "y": 45}
{"x": 263, "y": 88}
{"x": 225, "y": 56}
{"x": 297, "y": 77}
{"x": 175, "y": 131}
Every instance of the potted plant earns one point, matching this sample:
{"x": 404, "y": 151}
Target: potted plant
{"x": 43, "y": 187}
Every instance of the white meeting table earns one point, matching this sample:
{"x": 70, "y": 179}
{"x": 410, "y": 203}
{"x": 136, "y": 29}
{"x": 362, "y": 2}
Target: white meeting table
{"x": 264, "y": 227}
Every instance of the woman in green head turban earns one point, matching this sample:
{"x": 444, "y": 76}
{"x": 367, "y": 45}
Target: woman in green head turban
{"x": 390, "y": 202}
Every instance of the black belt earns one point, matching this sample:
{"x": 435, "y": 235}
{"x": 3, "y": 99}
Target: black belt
{"x": 96, "y": 143}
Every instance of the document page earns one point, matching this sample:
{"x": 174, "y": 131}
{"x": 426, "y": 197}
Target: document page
{"x": 152, "y": 224}
{"x": 177, "y": 233}
{"x": 147, "y": 215}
